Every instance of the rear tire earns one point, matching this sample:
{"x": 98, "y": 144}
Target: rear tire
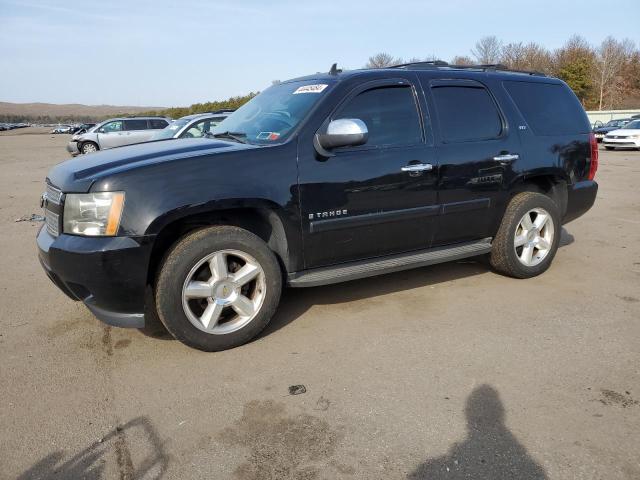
{"x": 218, "y": 288}
{"x": 528, "y": 237}
{"x": 89, "y": 147}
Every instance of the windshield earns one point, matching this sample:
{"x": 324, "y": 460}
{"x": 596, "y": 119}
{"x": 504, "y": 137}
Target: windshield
{"x": 170, "y": 130}
{"x": 271, "y": 116}
{"x": 635, "y": 125}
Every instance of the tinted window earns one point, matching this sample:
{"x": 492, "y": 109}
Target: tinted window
{"x": 549, "y": 109}
{"x": 157, "y": 124}
{"x": 135, "y": 124}
{"x": 112, "y": 126}
{"x": 390, "y": 114}
{"x": 466, "y": 113}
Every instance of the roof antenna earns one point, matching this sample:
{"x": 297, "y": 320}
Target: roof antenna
{"x": 334, "y": 69}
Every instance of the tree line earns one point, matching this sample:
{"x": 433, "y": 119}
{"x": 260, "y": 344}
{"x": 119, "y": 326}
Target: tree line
{"x": 604, "y": 76}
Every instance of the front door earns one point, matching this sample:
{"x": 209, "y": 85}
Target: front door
{"x": 378, "y": 198}
{"x": 476, "y": 154}
{"x": 111, "y": 134}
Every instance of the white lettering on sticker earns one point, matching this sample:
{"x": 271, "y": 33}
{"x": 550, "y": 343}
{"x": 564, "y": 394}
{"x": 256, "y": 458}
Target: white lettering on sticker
{"x": 311, "y": 88}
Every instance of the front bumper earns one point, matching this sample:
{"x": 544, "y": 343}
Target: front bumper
{"x": 581, "y": 197}
{"x": 72, "y": 148}
{"x": 621, "y": 142}
{"x": 108, "y": 274}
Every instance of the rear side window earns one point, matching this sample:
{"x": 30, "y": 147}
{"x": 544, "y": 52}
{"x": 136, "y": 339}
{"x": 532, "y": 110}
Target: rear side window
{"x": 158, "y": 123}
{"x": 466, "y": 113}
{"x": 135, "y": 124}
{"x": 548, "y": 108}
{"x": 390, "y": 113}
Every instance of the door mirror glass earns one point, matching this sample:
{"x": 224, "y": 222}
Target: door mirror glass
{"x": 346, "y": 132}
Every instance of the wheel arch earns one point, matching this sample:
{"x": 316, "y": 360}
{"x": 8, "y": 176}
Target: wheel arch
{"x": 262, "y": 219}
{"x": 551, "y": 183}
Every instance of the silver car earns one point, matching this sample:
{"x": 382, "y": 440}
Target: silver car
{"x": 116, "y": 132}
{"x": 192, "y": 126}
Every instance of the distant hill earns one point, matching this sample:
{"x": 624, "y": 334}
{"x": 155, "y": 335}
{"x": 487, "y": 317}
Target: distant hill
{"x": 50, "y": 112}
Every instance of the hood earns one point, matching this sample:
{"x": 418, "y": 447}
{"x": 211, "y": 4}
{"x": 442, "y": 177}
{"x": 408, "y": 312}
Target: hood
{"x": 604, "y": 129}
{"x": 77, "y": 174}
{"x": 625, "y": 132}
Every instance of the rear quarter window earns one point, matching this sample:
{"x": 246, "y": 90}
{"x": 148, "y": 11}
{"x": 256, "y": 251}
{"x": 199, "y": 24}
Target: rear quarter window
{"x": 157, "y": 123}
{"x": 549, "y": 108}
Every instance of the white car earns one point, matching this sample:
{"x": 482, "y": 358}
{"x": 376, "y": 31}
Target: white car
{"x": 625, "y": 137}
{"x": 193, "y": 126}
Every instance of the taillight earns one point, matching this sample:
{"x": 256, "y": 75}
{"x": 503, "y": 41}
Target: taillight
{"x": 593, "y": 164}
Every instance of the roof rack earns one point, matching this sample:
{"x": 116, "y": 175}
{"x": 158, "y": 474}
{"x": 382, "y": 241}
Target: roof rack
{"x": 439, "y": 64}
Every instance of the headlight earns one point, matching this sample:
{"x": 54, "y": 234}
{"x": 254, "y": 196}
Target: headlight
{"x": 93, "y": 214}
{"x": 634, "y": 136}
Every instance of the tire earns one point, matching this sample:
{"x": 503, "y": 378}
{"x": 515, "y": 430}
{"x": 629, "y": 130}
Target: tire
{"x": 508, "y": 254}
{"x": 89, "y": 147}
{"x": 609, "y": 148}
{"x": 204, "y": 309}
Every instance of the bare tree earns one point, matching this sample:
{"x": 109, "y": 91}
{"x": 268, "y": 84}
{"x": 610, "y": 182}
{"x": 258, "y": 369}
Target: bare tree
{"x": 488, "y": 50}
{"x": 461, "y": 60}
{"x": 611, "y": 57}
{"x": 382, "y": 60}
{"x": 526, "y": 57}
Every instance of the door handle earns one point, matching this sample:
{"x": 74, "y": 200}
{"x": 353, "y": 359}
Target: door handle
{"x": 506, "y": 158}
{"x": 418, "y": 167}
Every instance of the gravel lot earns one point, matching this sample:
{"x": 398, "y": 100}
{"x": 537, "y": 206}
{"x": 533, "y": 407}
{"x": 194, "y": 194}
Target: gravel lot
{"x": 446, "y": 372}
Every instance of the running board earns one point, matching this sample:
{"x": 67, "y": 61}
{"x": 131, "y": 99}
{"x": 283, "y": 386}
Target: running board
{"x": 392, "y": 263}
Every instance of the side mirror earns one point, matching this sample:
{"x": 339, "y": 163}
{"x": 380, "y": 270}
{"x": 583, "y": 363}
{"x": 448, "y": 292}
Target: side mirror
{"x": 346, "y": 132}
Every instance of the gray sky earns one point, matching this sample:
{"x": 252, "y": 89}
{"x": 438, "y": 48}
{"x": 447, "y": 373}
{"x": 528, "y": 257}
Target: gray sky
{"x": 174, "y": 53}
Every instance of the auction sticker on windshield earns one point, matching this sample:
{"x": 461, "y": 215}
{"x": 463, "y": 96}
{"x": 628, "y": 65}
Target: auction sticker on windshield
{"x": 311, "y": 88}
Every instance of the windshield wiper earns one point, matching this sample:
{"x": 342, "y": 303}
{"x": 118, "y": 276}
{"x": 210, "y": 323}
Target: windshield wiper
{"x": 236, "y": 136}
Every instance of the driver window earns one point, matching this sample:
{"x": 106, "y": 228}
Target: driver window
{"x": 390, "y": 113}
{"x": 112, "y": 127}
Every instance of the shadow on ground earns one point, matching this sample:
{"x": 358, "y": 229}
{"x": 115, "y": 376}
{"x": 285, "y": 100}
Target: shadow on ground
{"x": 490, "y": 451}
{"x": 296, "y": 301}
{"x": 90, "y": 463}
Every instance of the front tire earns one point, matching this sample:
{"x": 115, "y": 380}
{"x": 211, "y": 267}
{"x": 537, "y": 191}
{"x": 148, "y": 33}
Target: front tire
{"x": 218, "y": 288}
{"x": 89, "y": 147}
{"x": 528, "y": 237}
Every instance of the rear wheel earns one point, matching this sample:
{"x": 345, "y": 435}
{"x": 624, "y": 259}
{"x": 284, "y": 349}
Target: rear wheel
{"x": 218, "y": 288}
{"x": 89, "y": 147}
{"x": 528, "y": 237}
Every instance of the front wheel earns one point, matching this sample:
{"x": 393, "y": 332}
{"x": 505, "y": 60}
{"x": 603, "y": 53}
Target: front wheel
{"x": 528, "y": 237}
{"x": 88, "y": 147}
{"x": 218, "y": 288}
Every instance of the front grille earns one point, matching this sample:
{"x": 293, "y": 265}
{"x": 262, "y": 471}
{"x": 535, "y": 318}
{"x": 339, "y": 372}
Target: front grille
{"x": 53, "y": 194}
{"x": 52, "y": 221}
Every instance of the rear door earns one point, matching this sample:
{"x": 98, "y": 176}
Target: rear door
{"x": 476, "y": 154}
{"x": 136, "y": 131}
{"x": 364, "y": 201}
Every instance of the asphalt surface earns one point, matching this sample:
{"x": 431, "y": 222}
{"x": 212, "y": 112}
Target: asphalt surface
{"x": 446, "y": 372}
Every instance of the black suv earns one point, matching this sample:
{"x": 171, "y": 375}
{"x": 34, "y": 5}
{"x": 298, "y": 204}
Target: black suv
{"x": 321, "y": 179}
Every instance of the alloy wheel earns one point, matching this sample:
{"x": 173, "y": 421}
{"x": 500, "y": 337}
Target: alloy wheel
{"x": 224, "y": 292}
{"x": 533, "y": 238}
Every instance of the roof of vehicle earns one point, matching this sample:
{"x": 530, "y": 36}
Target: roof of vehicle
{"x": 206, "y": 114}
{"x": 146, "y": 117}
{"x": 469, "y": 71}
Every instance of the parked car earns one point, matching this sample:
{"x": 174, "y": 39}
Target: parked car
{"x": 61, "y": 129}
{"x": 116, "y": 132}
{"x": 321, "y": 179}
{"x": 192, "y": 126}
{"x": 611, "y": 125}
{"x": 625, "y": 137}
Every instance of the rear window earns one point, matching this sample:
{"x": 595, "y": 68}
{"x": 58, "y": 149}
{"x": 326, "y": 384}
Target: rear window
{"x": 135, "y": 124}
{"x": 158, "y": 123}
{"x": 549, "y": 108}
{"x": 466, "y": 113}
